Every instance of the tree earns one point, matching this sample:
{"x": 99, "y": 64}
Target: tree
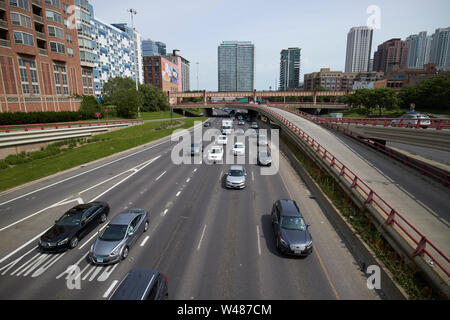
{"x": 154, "y": 99}
{"x": 385, "y": 98}
{"x": 127, "y": 101}
{"x": 89, "y": 106}
{"x": 113, "y": 85}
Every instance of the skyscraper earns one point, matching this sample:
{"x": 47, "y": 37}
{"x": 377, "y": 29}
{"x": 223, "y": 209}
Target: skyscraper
{"x": 419, "y": 46}
{"x": 236, "y": 64}
{"x": 391, "y": 54}
{"x": 440, "y": 48}
{"x": 153, "y": 48}
{"x": 290, "y": 68}
{"x": 359, "y": 47}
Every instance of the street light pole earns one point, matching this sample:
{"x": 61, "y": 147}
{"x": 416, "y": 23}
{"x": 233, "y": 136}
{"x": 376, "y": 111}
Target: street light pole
{"x": 136, "y": 64}
{"x": 197, "y": 77}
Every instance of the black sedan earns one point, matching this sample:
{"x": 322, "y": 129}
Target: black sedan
{"x": 73, "y": 226}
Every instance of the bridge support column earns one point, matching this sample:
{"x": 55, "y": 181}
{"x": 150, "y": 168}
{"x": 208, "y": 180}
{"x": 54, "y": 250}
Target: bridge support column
{"x": 204, "y": 97}
{"x": 315, "y": 97}
{"x": 254, "y": 96}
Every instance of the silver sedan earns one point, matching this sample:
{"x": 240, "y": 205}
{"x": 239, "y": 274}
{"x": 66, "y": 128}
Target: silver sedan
{"x": 119, "y": 236}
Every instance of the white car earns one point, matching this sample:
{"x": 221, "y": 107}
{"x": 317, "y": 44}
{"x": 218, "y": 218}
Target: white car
{"x": 215, "y": 154}
{"x": 262, "y": 140}
{"x": 239, "y": 149}
{"x": 222, "y": 140}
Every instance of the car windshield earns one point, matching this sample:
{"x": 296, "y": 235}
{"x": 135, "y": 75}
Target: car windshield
{"x": 69, "y": 219}
{"x": 222, "y": 138}
{"x": 114, "y": 232}
{"x": 238, "y": 145}
{"x": 215, "y": 150}
{"x": 293, "y": 223}
{"x": 236, "y": 173}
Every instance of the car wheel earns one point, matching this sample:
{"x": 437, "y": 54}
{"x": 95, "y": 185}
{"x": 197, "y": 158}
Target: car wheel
{"x": 103, "y": 218}
{"x": 125, "y": 253}
{"x": 146, "y": 226}
{"x": 73, "y": 242}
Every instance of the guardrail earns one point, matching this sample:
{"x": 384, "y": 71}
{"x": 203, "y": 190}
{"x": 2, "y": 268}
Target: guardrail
{"x": 392, "y": 217}
{"x": 60, "y": 125}
{"x": 425, "y": 168}
{"x": 269, "y": 103}
{"x": 437, "y": 124}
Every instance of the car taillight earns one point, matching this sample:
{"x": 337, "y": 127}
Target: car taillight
{"x": 165, "y": 277}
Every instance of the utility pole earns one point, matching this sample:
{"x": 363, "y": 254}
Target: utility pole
{"x": 136, "y": 62}
{"x": 197, "y": 77}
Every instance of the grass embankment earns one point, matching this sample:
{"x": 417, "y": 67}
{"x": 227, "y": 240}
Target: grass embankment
{"x": 414, "y": 286}
{"x": 61, "y": 156}
{"x": 158, "y": 115}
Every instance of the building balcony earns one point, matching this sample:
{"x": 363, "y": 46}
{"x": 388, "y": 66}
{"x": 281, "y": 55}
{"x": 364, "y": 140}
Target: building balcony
{"x": 5, "y": 43}
{"x": 88, "y": 64}
{"x": 2, "y": 5}
{"x": 43, "y": 52}
{"x": 41, "y": 36}
{"x": 37, "y": 3}
{"x": 38, "y": 19}
{"x": 3, "y": 24}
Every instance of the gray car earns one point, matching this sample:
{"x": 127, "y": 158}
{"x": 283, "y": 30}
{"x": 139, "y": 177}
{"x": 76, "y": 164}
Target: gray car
{"x": 264, "y": 158}
{"x": 119, "y": 236}
{"x": 196, "y": 148}
{"x": 236, "y": 177}
{"x": 291, "y": 231}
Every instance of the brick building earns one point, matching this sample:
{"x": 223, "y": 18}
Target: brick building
{"x": 391, "y": 54}
{"x": 40, "y": 65}
{"x": 162, "y": 73}
{"x": 338, "y": 80}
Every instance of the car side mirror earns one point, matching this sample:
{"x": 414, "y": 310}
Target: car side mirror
{"x": 130, "y": 233}
{"x": 308, "y": 225}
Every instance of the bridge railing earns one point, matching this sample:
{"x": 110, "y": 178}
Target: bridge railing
{"x": 425, "y": 168}
{"x": 392, "y": 217}
{"x": 61, "y": 125}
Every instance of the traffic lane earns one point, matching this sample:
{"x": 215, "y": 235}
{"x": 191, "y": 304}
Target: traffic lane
{"x": 47, "y": 191}
{"x": 433, "y": 198}
{"x": 17, "y": 231}
{"x": 341, "y": 266}
{"x": 117, "y": 199}
{"x": 428, "y": 153}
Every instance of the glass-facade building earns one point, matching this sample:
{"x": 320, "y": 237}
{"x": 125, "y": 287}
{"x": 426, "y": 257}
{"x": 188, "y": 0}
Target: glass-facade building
{"x": 236, "y": 66}
{"x": 153, "y": 48}
{"x": 290, "y": 68}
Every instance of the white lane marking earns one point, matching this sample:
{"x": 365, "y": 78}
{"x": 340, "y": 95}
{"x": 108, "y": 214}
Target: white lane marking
{"x": 47, "y": 266}
{"x": 164, "y": 212}
{"x": 189, "y": 179}
{"x": 89, "y": 272}
{"x": 201, "y": 238}
{"x": 178, "y": 193}
{"x": 111, "y": 287}
{"x": 65, "y": 201}
{"x": 93, "y": 169}
{"x": 84, "y": 244}
{"x": 72, "y": 267}
{"x": 23, "y": 246}
{"x": 106, "y": 273}
{"x": 253, "y": 176}
{"x": 26, "y": 263}
{"x": 124, "y": 179}
{"x": 195, "y": 170}
{"x": 160, "y": 176}
{"x": 258, "y": 239}
{"x": 145, "y": 240}
{"x": 96, "y": 272}
{"x": 14, "y": 262}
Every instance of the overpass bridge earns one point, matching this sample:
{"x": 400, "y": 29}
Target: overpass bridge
{"x": 176, "y": 97}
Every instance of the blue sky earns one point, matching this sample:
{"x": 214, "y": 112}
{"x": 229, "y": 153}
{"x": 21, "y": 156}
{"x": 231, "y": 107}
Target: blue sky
{"x": 319, "y": 27}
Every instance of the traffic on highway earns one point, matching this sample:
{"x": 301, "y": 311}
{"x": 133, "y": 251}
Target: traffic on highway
{"x": 214, "y": 230}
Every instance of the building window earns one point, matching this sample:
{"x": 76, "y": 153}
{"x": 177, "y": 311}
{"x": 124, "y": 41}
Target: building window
{"x": 70, "y": 52}
{"x": 56, "y": 32}
{"x": 60, "y": 73}
{"x": 87, "y": 82}
{"x": 27, "y": 82}
{"x": 69, "y": 38}
{"x": 54, "y": 3}
{"x": 53, "y": 16}
{"x": 23, "y": 38}
{"x": 22, "y": 4}
{"x": 57, "y": 47}
{"x": 18, "y": 19}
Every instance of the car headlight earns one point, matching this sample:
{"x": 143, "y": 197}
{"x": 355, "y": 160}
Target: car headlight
{"x": 284, "y": 243}
{"x": 63, "y": 242}
{"x": 116, "y": 250}
{"x": 309, "y": 245}
{"x": 92, "y": 248}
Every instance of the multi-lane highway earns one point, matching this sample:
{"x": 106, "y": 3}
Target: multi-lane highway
{"x": 212, "y": 243}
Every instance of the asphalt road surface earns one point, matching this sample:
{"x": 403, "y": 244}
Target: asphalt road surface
{"x": 212, "y": 243}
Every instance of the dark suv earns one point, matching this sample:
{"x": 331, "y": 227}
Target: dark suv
{"x": 142, "y": 284}
{"x": 291, "y": 231}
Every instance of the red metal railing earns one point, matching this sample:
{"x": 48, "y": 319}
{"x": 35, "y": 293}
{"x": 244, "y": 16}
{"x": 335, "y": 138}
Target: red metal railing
{"x": 393, "y": 217}
{"x": 61, "y": 125}
{"x": 425, "y": 168}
